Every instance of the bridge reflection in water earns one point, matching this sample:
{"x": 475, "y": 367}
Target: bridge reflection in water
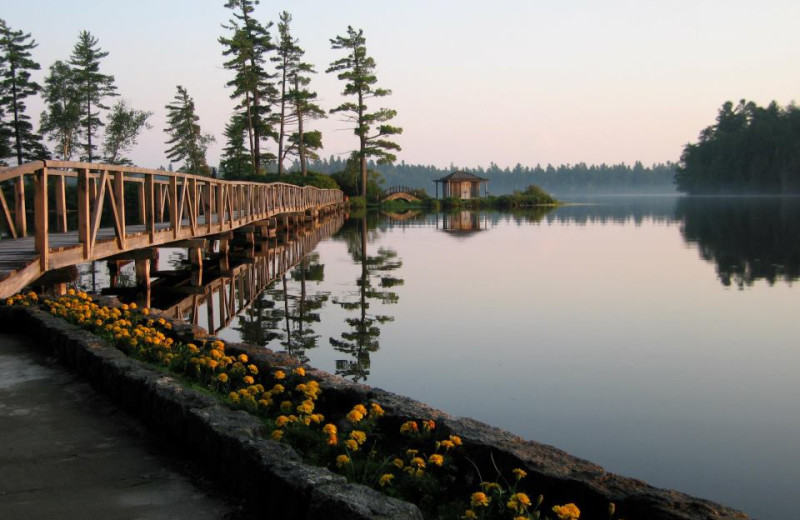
{"x": 232, "y": 285}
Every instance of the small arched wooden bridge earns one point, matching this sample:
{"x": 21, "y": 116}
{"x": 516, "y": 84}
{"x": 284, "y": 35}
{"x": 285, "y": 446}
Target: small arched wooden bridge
{"x": 140, "y": 208}
{"x": 402, "y": 193}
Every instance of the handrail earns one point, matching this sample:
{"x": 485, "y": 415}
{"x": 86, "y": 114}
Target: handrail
{"x": 145, "y": 207}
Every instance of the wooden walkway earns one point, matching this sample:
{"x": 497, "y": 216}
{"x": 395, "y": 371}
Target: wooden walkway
{"x": 84, "y": 212}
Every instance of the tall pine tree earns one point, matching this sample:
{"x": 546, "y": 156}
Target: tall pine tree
{"x": 246, "y": 50}
{"x": 15, "y": 86}
{"x": 296, "y": 100}
{"x": 187, "y": 140}
{"x": 61, "y": 119}
{"x": 124, "y": 126}
{"x": 235, "y": 161}
{"x": 357, "y": 70}
{"x": 92, "y": 85}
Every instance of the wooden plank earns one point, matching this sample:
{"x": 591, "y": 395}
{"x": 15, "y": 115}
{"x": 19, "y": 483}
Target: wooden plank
{"x": 84, "y": 216}
{"x": 19, "y": 206}
{"x": 41, "y": 221}
{"x": 98, "y": 211}
{"x": 175, "y": 219}
{"x": 149, "y": 207}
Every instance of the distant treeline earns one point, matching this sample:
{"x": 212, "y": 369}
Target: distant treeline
{"x": 578, "y": 178}
{"x": 750, "y": 149}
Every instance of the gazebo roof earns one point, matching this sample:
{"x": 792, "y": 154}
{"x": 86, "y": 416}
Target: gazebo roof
{"x": 461, "y": 176}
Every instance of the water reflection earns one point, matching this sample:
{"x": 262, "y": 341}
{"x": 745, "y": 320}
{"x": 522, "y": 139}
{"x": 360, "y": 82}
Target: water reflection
{"x": 746, "y": 238}
{"x": 374, "y": 283}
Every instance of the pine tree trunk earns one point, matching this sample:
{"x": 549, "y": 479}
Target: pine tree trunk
{"x": 282, "y": 135}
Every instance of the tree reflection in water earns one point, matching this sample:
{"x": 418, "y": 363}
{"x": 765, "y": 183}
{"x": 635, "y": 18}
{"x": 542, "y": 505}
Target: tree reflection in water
{"x": 374, "y": 283}
{"x": 746, "y": 238}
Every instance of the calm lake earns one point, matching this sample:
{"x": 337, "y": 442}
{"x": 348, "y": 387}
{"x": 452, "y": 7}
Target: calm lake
{"x": 655, "y": 336}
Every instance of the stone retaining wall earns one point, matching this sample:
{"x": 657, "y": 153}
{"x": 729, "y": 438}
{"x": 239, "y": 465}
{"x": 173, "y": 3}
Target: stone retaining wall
{"x": 231, "y": 447}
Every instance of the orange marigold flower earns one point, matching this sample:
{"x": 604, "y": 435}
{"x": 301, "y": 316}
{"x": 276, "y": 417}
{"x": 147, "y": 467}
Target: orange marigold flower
{"x": 277, "y": 435}
{"x": 253, "y": 369}
{"x": 354, "y": 416}
{"x": 428, "y": 425}
{"x": 519, "y": 473}
{"x": 286, "y": 406}
{"x": 436, "y": 459}
{"x": 279, "y": 374}
{"x": 479, "y": 499}
{"x": 447, "y": 444}
{"x": 398, "y": 463}
{"x": 456, "y": 440}
{"x": 417, "y": 462}
{"x": 281, "y": 421}
{"x": 300, "y": 371}
{"x": 469, "y": 514}
{"x": 567, "y": 512}
{"x": 375, "y": 410}
{"x": 358, "y": 436}
{"x": 360, "y": 408}
{"x": 278, "y": 388}
{"x": 333, "y": 440}
{"x": 385, "y": 479}
{"x": 329, "y": 429}
{"x": 518, "y": 502}
{"x": 223, "y": 377}
{"x": 351, "y": 445}
{"x": 342, "y": 461}
{"x": 248, "y": 380}
{"x": 409, "y": 427}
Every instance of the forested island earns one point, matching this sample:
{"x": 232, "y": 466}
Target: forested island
{"x": 750, "y": 149}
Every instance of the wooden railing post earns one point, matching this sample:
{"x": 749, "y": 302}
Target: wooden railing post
{"x": 61, "y": 204}
{"x": 19, "y": 206}
{"x": 142, "y": 209}
{"x": 119, "y": 213}
{"x": 173, "y": 205}
{"x": 150, "y": 206}
{"x": 41, "y": 213}
{"x": 84, "y": 214}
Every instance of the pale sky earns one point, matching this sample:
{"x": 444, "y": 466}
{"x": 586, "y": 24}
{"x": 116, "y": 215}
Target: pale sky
{"x": 508, "y": 81}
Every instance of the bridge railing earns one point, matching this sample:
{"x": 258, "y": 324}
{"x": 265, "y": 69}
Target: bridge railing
{"x": 145, "y": 207}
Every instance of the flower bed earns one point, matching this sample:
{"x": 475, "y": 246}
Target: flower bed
{"x": 404, "y": 453}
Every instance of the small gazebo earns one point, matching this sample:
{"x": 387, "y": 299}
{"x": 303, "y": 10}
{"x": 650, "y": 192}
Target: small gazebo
{"x": 462, "y": 185}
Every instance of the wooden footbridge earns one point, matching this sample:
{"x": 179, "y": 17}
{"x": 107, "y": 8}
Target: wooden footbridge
{"x": 402, "y": 193}
{"x": 84, "y": 212}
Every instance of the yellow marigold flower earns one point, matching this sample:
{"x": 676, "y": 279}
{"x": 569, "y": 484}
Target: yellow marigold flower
{"x": 436, "y": 459}
{"x": 277, "y": 435}
{"x": 317, "y": 418}
{"x": 212, "y": 364}
{"x": 248, "y": 380}
{"x": 279, "y": 374}
{"x": 469, "y": 514}
{"x": 98, "y": 322}
{"x": 428, "y": 425}
{"x": 519, "y": 473}
{"x": 264, "y": 402}
{"x": 479, "y": 499}
{"x": 333, "y": 440}
{"x": 216, "y": 354}
{"x": 286, "y": 406}
{"x": 358, "y": 436}
{"x": 409, "y": 427}
{"x": 145, "y": 311}
{"x": 398, "y": 463}
{"x": 417, "y": 462}
{"x": 567, "y": 512}
{"x": 360, "y": 408}
{"x": 519, "y": 502}
{"x": 354, "y": 416}
{"x": 301, "y": 387}
{"x": 385, "y": 479}
{"x": 124, "y": 306}
{"x": 71, "y": 292}
{"x": 411, "y": 452}
{"x": 234, "y": 397}
{"x": 133, "y": 306}
{"x": 242, "y": 358}
{"x": 253, "y": 369}
{"x": 281, "y": 421}
{"x": 342, "y": 461}
{"x": 278, "y": 388}
{"x": 490, "y": 486}
{"x": 351, "y": 445}
{"x": 306, "y": 407}
{"x": 456, "y": 440}
{"x": 300, "y": 371}
{"x": 375, "y": 410}
{"x": 447, "y": 444}
{"x": 223, "y": 377}
{"x": 329, "y": 429}
{"x": 161, "y": 321}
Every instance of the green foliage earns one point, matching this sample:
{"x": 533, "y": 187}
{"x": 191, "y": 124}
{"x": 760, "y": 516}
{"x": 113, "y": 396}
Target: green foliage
{"x": 357, "y": 70}
{"x": 318, "y": 180}
{"x": 246, "y": 48}
{"x": 189, "y": 143}
{"x": 15, "y": 86}
{"x": 749, "y": 149}
{"x": 124, "y": 125}
{"x": 92, "y": 87}
{"x": 236, "y": 161}
{"x": 61, "y": 119}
